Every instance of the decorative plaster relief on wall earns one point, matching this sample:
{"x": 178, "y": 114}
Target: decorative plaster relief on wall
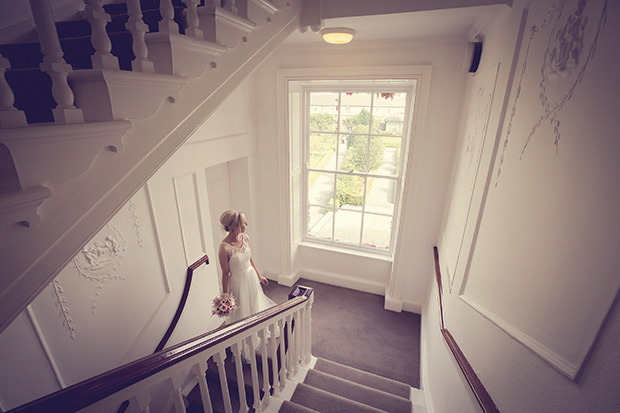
{"x": 571, "y": 31}
{"x": 61, "y": 301}
{"x": 136, "y": 223}
{"x": 100, "y": 260}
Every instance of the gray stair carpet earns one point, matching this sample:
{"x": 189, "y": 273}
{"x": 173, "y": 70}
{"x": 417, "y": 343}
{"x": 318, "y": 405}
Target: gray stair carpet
{"x": 364, "y": 378}
{"x": 292, "y": 407}
{"x": 326, "y": 402}
{"x": 333, "y": 387}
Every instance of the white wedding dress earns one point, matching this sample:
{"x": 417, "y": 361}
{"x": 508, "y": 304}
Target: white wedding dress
{"x": 243, "y": 282}
{"x": 245, "y": 287}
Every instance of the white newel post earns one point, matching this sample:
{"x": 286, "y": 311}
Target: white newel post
{"x": 136, "y": 26}
{"x": 54, "y": 65}
{"x": 167, "y": 23}
{"x": 10, "y": 117}
{"x": 98, "y": 19}
{"x": 192, "y": 19}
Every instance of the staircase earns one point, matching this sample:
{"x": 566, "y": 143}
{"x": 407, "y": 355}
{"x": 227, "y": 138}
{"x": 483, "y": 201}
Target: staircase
{"x": 332, "y": 387}
{"x": 89, "y": 113}
{"x": 324, "y": 386}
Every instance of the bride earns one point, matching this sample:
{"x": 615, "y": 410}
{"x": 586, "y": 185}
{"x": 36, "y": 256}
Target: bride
{"x": 239, "y": 274}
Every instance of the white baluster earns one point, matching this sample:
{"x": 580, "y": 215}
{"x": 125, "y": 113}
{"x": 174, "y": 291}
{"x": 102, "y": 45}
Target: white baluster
{"x": 265, "y": 364}
{"x": 255, "y": 386}
{"x": 175, "y": 383}
{"x": 10, "y": 117}
{"x": 302, "y": 336}
{"x": 282, "y": 354}
{"x": 274, "y": 357}
{"x": 98, "y": 19}
{"x": 291, "y": 346}
{"x": 219, "y": 360}
{"x": 167, "y": 23}
{"x": 295, "y": 352}
{"x": 199, "y": 370}
{"x": 236, "y": 349}
{"x": 230, "y": 6}
{"x": 191, "y": 14}
{"x": 142, "y": 401}
{"x": 137, "y": 28}
{"x": 54, "y": 65}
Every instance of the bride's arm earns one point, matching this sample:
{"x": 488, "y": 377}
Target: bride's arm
{"x": 261, "y": 279}
{"x": 223, "y": 256}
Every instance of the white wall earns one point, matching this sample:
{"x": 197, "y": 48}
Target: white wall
{"x": 103, "y": 313}
{"x": 527, "y": 305}
{"x": 428, "y": 177}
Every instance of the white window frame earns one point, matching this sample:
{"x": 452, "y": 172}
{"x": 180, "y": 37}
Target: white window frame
{"x": 295, "y": 231}
{"x": 343, "y": 87}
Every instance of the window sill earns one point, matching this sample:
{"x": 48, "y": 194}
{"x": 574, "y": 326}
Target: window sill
{"x": 381, "y": 256}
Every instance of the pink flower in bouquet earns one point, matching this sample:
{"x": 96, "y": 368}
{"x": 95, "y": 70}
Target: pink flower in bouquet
{"x": 224, "y": 305}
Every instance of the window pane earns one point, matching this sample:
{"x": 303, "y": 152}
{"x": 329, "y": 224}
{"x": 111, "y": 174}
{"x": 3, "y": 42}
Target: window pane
{"x": 322, "y": 149}
{"x": 353, "y": 154}
{"x": 321, "y": 188}
{"x": 320, "y": 222}
{"x": 347, "y": 226}
{"x": 390, "y": 146}
{"x": 349, "y": 190}
{"x": 380, "y": 196}
{"x": 355, "y": 113}
{"x": 389, "y": 112}
{"x": 377, "y": 231}
{"x": 323, "y": 112}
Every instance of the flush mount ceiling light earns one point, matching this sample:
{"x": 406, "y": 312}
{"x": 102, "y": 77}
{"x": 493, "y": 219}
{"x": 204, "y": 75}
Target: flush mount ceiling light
{"x": 337, "y": 35}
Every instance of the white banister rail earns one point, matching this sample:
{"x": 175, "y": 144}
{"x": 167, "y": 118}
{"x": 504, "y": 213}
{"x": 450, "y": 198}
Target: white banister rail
{"x": 54, "y": 65}
{"x": 186, "y": 365}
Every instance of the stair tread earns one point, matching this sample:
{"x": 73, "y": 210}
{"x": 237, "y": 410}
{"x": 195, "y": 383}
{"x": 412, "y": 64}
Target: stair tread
{"x": 357, "y": 392}
{"x": 363, "y": 377}
{"x": 326, "y": 402}
{"x": 292, "y": 407}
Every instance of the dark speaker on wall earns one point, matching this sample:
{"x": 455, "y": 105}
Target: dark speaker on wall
{"x": 474, "y": 53}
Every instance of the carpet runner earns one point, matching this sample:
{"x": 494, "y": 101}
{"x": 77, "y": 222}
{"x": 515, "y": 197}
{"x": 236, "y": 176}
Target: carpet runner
{"x": 331, "y": 387}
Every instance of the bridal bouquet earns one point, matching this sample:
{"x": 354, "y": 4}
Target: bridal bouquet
{"x": 224, "y": 305}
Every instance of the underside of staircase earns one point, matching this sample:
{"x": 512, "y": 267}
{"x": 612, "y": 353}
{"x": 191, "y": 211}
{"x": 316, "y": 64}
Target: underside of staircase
{"x": 65, "y": 169}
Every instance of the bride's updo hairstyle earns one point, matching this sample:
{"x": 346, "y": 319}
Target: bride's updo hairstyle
{"x": 231, "y": 219}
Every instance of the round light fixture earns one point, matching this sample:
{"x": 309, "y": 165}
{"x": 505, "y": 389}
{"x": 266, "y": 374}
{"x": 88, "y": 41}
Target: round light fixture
{"x": 337, "y": 35}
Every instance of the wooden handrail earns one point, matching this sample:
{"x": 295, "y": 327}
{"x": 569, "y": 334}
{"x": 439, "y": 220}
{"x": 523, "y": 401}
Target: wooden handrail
{"x": 89, "y": 391}
{"x": 482, "y": 395}
{"x": 177, "y": 315}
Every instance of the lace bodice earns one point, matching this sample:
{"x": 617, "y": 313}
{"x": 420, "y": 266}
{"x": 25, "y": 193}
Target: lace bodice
{"x": 239, "y": 258}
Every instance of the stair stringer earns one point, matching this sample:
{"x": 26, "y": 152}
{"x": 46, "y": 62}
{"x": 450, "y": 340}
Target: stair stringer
{"x": 79, "y": 207}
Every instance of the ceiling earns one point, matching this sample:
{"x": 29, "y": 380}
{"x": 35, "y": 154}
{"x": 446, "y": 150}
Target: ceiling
{"x": 434, "y": 23}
